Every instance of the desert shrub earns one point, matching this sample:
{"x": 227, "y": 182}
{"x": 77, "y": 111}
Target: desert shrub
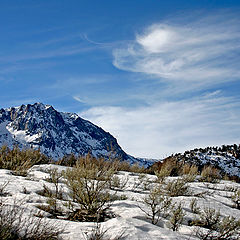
{"x": 124, "y": 166}
{"x": 71, "y": 161}
{"x": 144, "y": 182}
{"x": 67, "y": 160}
{"x": 55, "y": 177}
{"x": 3, "y": 191}
{"x": 162, "y": 174}
{"x": 157, "y": 205}
{"x": 193, "y": 206}
{"x": 189, "y": 172}
{"x": 88, "y": 183}
{"x": 176, "y": 217}
{"x": 19, "y": 161}
{"x": 210, "y": 174}
{"x": 52, "y": 207}
{"x": 99, "y": 233}
{"x": 141, "y": 183}
{"x": 46, "y": 192}
{"x": 236, "y": 198}
{"x": 115, "y": 183}
{"x": 15, "y": 226}
{"x": 176, "y": 188}
{"x": 226, "y": 177}
{"x": 189, "y": 169}
{"x": 227, "y": 228}
{"x": 208, "y": 218}
{"x": 170, "y": 167}
{"x": 97, "y": 168}
{"x": 135, "y": 168}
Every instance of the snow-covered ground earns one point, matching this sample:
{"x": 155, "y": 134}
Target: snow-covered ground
{"x": 129, "y": 221}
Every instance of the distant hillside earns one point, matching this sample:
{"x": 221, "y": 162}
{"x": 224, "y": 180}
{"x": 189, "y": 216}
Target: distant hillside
{"x": 226, "y": 158}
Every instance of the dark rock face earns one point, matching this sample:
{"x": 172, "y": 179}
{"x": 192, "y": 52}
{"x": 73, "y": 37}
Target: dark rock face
{"x": 55, "y": 133}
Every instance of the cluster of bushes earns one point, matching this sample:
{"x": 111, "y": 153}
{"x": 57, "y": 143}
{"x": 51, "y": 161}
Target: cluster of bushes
{"x": 216, "y": 227}
{"x": 172, "y": 167}
{"x": 19, "y": 161}
{"x": 14, "y": 225}
{"x": 71, "y": 160}
{"x": 209, "y": 223}
{"x": 92, "y": 186}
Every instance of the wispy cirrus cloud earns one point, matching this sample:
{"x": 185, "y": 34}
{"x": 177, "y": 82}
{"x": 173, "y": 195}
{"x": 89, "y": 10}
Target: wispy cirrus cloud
{"x": 205, "y": 51}
{"x": 184, "y": 56}
{"x": 169, "y": 127}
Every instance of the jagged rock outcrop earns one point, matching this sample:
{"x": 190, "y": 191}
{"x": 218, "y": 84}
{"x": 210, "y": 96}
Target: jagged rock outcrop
{"x": 55, "y": 133}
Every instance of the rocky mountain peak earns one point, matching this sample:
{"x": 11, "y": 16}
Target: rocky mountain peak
{"x": 55, "y": 133}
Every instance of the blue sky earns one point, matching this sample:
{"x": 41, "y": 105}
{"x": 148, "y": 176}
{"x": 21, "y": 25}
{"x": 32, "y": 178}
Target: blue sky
{"x": 161, "y": 76}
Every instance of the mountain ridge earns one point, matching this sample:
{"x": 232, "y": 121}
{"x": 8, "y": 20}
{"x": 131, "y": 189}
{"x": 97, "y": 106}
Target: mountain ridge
{"x": 225, "y": 158}
{"x": 55, "y": 133}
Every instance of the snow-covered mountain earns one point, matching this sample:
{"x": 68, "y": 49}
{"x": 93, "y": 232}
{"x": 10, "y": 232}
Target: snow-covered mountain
{"x": 55, "y": 133}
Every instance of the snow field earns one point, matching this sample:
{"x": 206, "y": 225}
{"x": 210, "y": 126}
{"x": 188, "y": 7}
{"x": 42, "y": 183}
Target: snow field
{"x": 129, "y": 221}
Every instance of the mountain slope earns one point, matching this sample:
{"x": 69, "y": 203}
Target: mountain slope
{"x": 54, "y": 133}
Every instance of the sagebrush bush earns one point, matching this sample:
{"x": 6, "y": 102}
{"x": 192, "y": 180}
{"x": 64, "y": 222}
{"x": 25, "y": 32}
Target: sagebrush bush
{"x": 217, "y": 227}
{"x": 177, "y": 187}
{"x": 14, "y": 225}
{"x": 236, "y": 198}
{"x": 136, "y": 168}
{"x": 210, "y": 174}
{"x": 162, "y": 174}
{"x": 3, "y": 191}
{"x": 99, "y": 233}
{"x": 176, "y": 217}
{"x": 19, "y": 161}
{"x": 194, "y": 207}
{"x": 208, "y": 218}
{"x": 88, "y": 183}
{"x": 170, "y": 167}
{"x": 189, "y": 169}
{"x": 117, "y": 183}
{"x": 157, "y": 205}
{"x": 189, "y": 172}
{"x": 55, "y": 177}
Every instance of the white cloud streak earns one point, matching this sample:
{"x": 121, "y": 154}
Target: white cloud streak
{"x": 164, "y": 128}
{"x": 185, "y": 57}
{"x": 78, "y": 99}
{"x": 203, "y": 52}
